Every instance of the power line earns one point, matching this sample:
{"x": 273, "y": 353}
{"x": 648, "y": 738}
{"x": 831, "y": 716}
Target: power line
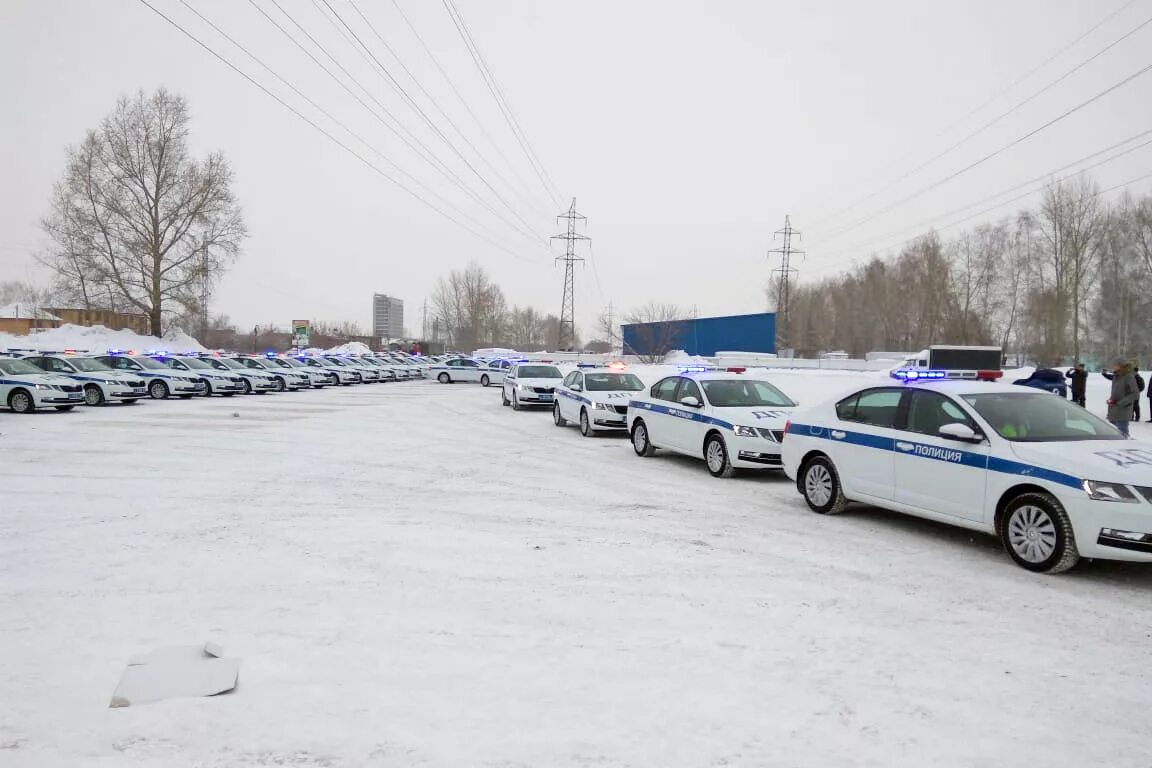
{"x": 1004, "y": 148}
{"x": 981, "y": 213}
{"x": 786, "y": 272}
{"x": 501, "y": 102}
{"x": 424, "y": 116}
{"x": 1000, "y": 93}
{"x": 956, "y": 145}
{"x": 479, "y": 124}
{"x": 328, "y": 135}
{"x": 1030, "y": 182}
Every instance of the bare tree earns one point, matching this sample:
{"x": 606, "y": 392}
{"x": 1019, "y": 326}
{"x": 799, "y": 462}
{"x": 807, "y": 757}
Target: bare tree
{"x": 137, "y": 222}
{"x": 469, "y": 308}
{"x": 658, "y": 333}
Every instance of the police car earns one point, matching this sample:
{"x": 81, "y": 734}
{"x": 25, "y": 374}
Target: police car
{"x": 286, "y": 379}
{"x": 219, "y": 382}
{"x": 494, "y": 371}
{"x": 389, "y": 369}
{"x": 318, "y": 377}
{"x": 1053, "y": 481}
{"x": 101, "y": 384}
{"x": 530, "y": 384}
{"x": 455, "y": 369}
{"x": 24, "y": 388}
{"x": 256, "y": 381}
{"x": 345, "y": 375}
{"x": 162, "y": 381}
{"x": 731, "y": 420}
{"x": 596, "y": 399}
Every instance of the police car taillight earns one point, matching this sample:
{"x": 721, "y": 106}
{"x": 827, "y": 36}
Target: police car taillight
{"x": 737, "y": 370}
{"x": 989, "y": 375}
{"x": 784, "y": 434}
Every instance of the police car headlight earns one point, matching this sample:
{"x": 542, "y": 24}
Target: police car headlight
{"x": 113, "y": 382}
{"x": 43, "y": 386}
{"x": 602, "y": 406}
{"x": 1108, "y": 492}
{"x": 745, "y": 432}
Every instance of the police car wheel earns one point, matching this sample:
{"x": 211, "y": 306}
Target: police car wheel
{"x": 444, "y": 378}
{"x": 640, "y": 442}
{"x": 515, "y": 402}
{"x": 93, "y": 395}
{"x": 559, "y": 420}
{"x": 484, "y": 380}
{"x": 247, "y": 387}
{"x": 1038, "y": 535}
{"x": 158, "y": 390}
{"x": 504, "y": 397}
{"x": 20, "y": 401}
{"x": 281, "y": 385}
{"x": 820, "y": 484}
{"x": 64, "y": 408}
{"x": 716, "y": 457}
{"x": 585, "y": 425}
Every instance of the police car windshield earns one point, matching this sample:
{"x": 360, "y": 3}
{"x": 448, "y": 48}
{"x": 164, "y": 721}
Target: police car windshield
{"x": 87, "y": 364}
{"x": 278, "y": 362}
{"x": 1037, "y": 417}
{"x": 230, "y": 363}
{"x": 607, "y": 382}
{"x": 539, "y": 372}
{"x": 18, "y": 367}
{"x": 192, "y": 362}
{"x": 147, "y": 362}
{"x": 731, "y": 393}
{"x": 333, "y": 361}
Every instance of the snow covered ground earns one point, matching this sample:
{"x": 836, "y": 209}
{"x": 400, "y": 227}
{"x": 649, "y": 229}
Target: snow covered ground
{"x": 416, "y": 576}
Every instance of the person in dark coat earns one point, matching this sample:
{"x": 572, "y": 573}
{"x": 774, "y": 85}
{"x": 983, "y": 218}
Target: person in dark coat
{"x": 1140, "y": 386}
{"x": 1125, "y": 394}
{"x": 1079, "y": 379}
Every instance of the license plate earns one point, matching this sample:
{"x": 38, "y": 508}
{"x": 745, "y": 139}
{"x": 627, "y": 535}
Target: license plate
{"x": 74, "y": 395}
{"x": 547, "y": 398}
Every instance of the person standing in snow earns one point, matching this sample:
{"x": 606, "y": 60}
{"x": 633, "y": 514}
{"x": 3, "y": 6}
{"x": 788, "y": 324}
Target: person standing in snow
{"x": 1079, "y": 378}
{"x": 1140, "y": 386}
{"x": 1125, "y": 394}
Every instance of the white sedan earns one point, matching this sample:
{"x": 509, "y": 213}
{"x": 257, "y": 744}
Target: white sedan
{"x": 1053, "y": 481}
{"x": 530, "y": 384}
{"x": 24, "y": 388}
{"x": 101, "y": 383}
{"x": 595, "y": 399}
{"x": 162, "y": 381}
{"x": 731, "y": 420}
{"x": 455, "y": 369}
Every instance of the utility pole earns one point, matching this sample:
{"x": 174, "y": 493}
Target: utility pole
{"x": 424, "y": 322}
{"x": 204, "y": 293}
{"x": 567, "y": 334}
{"x": 611, "y": 329}
{"x": 784, "y": 289}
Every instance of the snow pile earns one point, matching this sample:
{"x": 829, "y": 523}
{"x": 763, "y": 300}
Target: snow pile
{"x": 351, "y": 348}
{"x": 97, "y": 338}
{"x": 680, "y": 357}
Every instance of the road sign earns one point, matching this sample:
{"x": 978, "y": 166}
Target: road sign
{"x": 300, "y": 333}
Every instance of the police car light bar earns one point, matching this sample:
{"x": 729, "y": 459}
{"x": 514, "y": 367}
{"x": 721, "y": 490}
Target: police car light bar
{"x": 918, "y": 374}
{"x": 989, "y": 375}
{"x": 692, "y": 368}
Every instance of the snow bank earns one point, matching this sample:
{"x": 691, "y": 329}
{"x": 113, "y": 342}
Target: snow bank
{"x": 97, "y": 338}
{"x": 351, "y": 348}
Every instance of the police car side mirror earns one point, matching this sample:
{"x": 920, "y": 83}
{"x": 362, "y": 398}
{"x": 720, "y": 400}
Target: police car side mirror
{"x": 961, "y": 432}
{"x": 576, "y": 388}
{"x": 690, "y": 401}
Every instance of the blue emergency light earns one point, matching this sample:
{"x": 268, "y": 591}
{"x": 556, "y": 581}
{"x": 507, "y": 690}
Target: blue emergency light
{"x": 918, "y": 374}
{"x": 692, "y": 368}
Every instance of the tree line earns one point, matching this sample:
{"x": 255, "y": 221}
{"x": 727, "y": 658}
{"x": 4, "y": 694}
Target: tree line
{"x": 1059, "y": 283}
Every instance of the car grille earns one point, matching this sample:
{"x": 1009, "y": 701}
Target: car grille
{"x": 543, "y": 390}
{"x": 620, "y": 408}
{"x": 776, "y": 435}
{"x": 237, "y": 380}
{"x": 71, "y": 387}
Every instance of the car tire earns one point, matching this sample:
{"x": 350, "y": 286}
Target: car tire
{"x": 716, "y": 457}
{"x": 641, "y": 443}
{"x": 819, "y": 483}
{"x": 515, "y": 401}
{"x": 247, "y": 387}
{"x": 557, "y": 419}
{"x": 21, "y": 401}
{"x": 281, "y": 385}
{"x": 585, "y": 425}
{"x": 444, "y": 378}
{"x": 504, "y": 397}
{"x": 64, "y": 408}
{"x": 1038, "y": 535}
{"x": 93, "y": 395}
{"x": 485, "y": 381}
{"x": 158, "y": 390}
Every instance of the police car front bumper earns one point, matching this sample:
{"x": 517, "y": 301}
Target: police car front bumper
{"x": 1111, "y": 530}
{"x": 128, "y": 394}
{"x": 602, "y": 419}
{"x": 55, "y": 397}
{"x": 534, "y": 398}
{"x": 754, "y": 452}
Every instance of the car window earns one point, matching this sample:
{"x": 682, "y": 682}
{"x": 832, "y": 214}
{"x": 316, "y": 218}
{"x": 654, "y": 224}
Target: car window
{"x": 59, "y": 366}
{"x": 928, "y": 411}
{"x": 469, "y": 364}
{"x": 570, "y": 379}
{"x": 609, "y": 382}
{"x": 39, "y": 362}
{"x": 876, "y": 407}
{"x": 745, "y": 393}
{"x": 539, "y": 372}
{"x": 1034, "y": 416}
{"x": 665, "y": 389}
{"x": 689, "y": 388}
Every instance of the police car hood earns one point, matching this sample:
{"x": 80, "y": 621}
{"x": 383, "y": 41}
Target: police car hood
{"x": 611, "y": 397}
{"x": 1110, "y": 461}
{"x": 767, "y": 417}
{"x": 38, "y": 378}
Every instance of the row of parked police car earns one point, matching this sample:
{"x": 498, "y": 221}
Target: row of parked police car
{"x": 1052, "y": 480}
{"x": 33, "y": 379}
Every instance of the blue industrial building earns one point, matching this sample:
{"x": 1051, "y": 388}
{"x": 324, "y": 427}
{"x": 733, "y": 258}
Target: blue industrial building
{"x": 704, "y": 336}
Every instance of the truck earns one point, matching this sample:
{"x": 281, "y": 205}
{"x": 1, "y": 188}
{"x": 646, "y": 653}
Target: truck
{"x": 955, "y": 362}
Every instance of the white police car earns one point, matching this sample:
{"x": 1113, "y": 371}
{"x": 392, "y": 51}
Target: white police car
{"x": 24, "y": 388}
{"x": 219, "y": 382}
{"x": 162, "y": 381}
{"x": 101, "y": 384}
{"x": 286, "y": 379}
{"x": 455, "y": 369}
{"x": 319, "y": 377}
{"x": 596, "y": 399}
{"x": 494, "y": 371}
{"x": 530, "y": 384}
{"x": 345, "y": 375}
{"x": 731, "y": 420}
{"x": 256, "y": 381}
{"x": 1053, "y": 481}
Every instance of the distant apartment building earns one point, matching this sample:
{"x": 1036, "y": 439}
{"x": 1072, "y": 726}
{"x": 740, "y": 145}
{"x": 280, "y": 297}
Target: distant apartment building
{"x": 387, "y": 317}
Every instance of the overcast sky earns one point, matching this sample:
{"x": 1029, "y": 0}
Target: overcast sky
{"x": 685, "y": 131}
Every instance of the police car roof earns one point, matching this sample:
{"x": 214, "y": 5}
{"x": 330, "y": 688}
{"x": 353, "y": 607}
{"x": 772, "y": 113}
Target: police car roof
{"x": 722, "y": 376}
{"x": 969, "y": 387}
